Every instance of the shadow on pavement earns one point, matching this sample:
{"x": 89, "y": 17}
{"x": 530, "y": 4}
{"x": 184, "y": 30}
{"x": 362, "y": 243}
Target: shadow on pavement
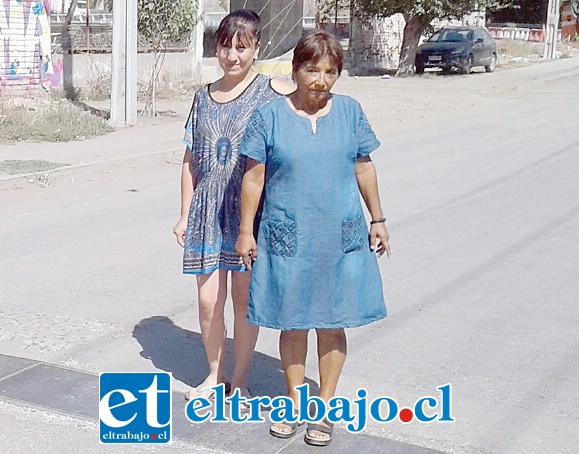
{"x": 181, "y": 352}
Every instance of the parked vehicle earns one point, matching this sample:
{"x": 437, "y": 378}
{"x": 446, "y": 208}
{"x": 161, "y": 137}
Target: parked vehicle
{"x": 457, "y": 48}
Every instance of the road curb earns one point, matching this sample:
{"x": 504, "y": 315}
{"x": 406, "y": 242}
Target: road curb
{"x": 86, "y": 164}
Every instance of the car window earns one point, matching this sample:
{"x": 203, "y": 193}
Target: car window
{"x": 449, "y": 35}
{"x": 477, "y": 35}
{"x": 487, "y": 36}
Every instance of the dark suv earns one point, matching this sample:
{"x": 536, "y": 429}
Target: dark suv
{"x": 457, "y": 48}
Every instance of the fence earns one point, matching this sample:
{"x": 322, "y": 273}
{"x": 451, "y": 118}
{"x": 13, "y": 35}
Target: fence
{"x": 94, "y": 34}
{"x": 532, "y": 33}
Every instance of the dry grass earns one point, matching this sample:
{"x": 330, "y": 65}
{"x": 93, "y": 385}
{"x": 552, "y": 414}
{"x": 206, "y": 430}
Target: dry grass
{"x": 510, "y": 48}
{"x": 517, "y": 51}
{"x": 53, "y": 121}
{"x": 168, "y": 87}
{"x": 99, "y": 87}
{"x": 15, "y": 167}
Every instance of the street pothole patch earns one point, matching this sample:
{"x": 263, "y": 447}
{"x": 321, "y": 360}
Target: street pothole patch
{"x": 17, "y": 166}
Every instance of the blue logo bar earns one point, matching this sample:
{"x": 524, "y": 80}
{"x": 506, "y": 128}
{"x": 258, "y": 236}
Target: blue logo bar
{"x": 135, "y": 408}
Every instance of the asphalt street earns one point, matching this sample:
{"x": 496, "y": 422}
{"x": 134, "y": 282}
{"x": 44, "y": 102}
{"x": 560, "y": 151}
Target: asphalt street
{"x": 481, "y": 194}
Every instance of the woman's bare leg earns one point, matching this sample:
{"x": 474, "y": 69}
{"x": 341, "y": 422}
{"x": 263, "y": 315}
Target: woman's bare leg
{"x": 212, "y": 292}
{"x": 331, "y": 358}
{"x": 293, "y": 349}
{"x": 244, "y": 333}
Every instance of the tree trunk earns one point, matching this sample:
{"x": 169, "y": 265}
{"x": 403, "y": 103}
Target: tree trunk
{"x": 153, "y": 94}
{"x": 412, "y": 32}
{"x": 159, "y": 60}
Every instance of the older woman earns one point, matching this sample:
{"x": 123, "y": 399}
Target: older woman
{"x": 317, "y": 265}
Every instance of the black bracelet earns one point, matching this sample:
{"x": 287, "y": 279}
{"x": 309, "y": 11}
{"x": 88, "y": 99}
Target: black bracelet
{"x": 377, "y": 221}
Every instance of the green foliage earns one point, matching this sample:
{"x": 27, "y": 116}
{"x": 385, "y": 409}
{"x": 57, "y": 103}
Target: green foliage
{"x": 442, "y": 9}
{"x": 328, "y": 7}
{"x": 161, "y": 21}
{"x": 523, "y": 11}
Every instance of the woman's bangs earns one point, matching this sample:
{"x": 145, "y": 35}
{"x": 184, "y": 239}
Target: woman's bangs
{"x": 321, "y": 52}
{"x": 245, "y": 35}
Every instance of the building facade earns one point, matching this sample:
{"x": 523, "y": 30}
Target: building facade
{"x": 25, "y": 50}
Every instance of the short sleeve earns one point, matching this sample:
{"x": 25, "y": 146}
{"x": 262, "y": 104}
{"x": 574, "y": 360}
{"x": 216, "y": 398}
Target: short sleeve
{"x": 254, "y": 142}
{"x": 191, "y": 120}
{"x": 367, "y": 141}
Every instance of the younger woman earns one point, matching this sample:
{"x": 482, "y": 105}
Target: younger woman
{"x": 211, "y": 193}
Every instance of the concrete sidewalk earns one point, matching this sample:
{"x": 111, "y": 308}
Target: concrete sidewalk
{"x": 126, "y": 143}
{"x": 125, "y": 160}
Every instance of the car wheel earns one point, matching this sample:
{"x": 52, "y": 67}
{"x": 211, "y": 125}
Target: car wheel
{"x": 419, "y": 69}
{"x": 467, "y": 65}
{"x": 492, "y": 65}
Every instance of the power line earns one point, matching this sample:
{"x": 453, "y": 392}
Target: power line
{"x": 282, "y": 40}
{"x": 263, "y": 8}
{"x": 287, "y": 10}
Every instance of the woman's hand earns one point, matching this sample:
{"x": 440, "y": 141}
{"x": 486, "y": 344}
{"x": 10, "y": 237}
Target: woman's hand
{"x": 246, "y": 248}
{"x": 179, "y": 230}
{"x": 379, "y": 232}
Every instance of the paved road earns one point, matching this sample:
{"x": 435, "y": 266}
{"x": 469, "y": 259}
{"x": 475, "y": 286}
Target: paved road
{"x": 481, "y": 193}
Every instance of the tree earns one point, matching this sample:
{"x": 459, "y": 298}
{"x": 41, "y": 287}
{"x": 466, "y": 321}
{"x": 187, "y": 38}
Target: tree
{"x": 162, "y": 22}
{"x": 523, "y": 12}
{"x": 328, "y": 10}
{"x": 418, "y": 15}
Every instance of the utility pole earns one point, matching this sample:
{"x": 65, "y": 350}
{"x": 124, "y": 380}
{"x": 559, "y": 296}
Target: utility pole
{"x": 124, "y": 63}
{"x": 70, "y": 13}
{"x": 197, "y": 42}
{"x": 552, "y": 29}
{"x": 336, "y": 17}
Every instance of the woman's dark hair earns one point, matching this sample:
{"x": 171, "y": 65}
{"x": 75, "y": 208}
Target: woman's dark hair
{"x": 243, "y": 22}
{"x": 314, "y": 46}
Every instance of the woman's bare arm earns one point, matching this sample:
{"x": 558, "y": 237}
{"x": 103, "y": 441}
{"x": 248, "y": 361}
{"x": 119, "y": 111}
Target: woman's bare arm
{"x": 251, "y": 189}
{"x": 187, "y": 189}
{"x": 368, "y": 184}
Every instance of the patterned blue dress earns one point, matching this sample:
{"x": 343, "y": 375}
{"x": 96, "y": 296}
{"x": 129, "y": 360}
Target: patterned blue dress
{"x": 314, "y": 267}
{"x": 213, "y": 133}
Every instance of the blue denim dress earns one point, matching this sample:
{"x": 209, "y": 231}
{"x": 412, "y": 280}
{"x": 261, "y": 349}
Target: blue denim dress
{"x": 314, "y": 267}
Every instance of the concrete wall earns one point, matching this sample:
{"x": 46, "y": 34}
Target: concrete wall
{"x": 87, "y": 72}
{"x": 375, "y": 44}
{"x": 89, "y": 69}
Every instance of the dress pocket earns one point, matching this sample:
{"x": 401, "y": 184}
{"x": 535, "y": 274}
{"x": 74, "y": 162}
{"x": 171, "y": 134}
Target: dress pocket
{"x": 282, "y": 238}
{"x": 354, "y": 234}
